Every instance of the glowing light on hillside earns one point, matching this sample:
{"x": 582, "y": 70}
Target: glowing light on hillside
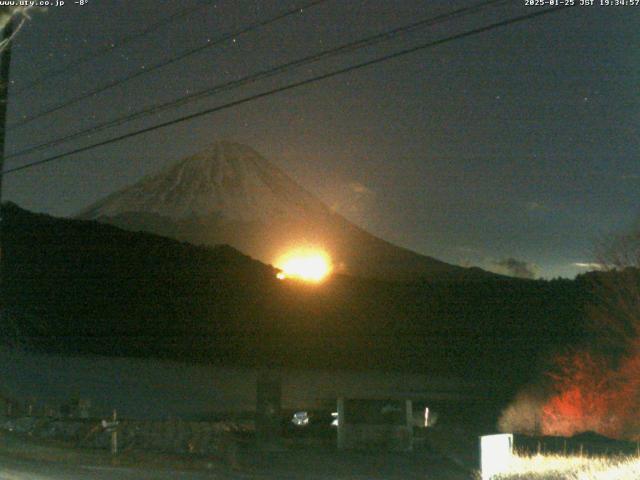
{"x": 310, "y": 265}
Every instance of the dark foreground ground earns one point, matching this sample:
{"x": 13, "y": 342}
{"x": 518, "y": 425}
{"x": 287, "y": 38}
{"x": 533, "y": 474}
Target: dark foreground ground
{"x": 272, "y": 467}
{"x": 22, "y": 458}
{"x": 20, "y": 469}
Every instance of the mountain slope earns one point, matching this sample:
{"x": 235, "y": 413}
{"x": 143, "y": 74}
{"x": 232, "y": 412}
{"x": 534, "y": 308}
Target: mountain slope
{"x": 227, "y": 179}
{"x": 80, "y": 286}
{"x": 229, "y": 194}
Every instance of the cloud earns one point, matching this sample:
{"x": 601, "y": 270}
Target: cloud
{"x": 630, "y": 176}
{"x": 355, "y": 201}
{"x": 537, "y": 206}
{"x": 589, "y": 265}
{"x": 360, "y": 189}
{"x": 467, "y": 249}
{"x": 515, "y": 268}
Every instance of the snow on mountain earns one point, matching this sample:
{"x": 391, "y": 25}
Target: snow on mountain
{"x": 229, "y": 194}
{"x": 228, "y": 179}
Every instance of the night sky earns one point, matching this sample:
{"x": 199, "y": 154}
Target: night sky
{"x": 516, "y": 147}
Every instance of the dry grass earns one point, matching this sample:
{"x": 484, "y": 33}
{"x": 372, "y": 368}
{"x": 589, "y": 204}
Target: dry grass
{"x": 557, "y": 467}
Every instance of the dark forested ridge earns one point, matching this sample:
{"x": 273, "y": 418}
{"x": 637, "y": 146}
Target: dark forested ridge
{"x": 80, "y": 286}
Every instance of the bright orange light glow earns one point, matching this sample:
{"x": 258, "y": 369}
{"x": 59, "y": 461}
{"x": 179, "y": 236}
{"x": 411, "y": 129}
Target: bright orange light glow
{"x": 308, "y": 264}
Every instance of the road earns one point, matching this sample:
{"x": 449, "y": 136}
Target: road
{"x": 18, "y": 469}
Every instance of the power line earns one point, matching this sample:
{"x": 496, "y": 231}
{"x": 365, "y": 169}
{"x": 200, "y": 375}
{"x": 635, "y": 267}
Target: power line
{"x": 56, "y": 72}
{"x": 263, "y": 74}
{"x": 170, "y": 61}
{"x": 293, "y": 85}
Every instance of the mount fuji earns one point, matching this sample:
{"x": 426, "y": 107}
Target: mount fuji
{"x": 230, "y": 194}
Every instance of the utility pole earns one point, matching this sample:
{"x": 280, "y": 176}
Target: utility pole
{"x": 5, "y": 62}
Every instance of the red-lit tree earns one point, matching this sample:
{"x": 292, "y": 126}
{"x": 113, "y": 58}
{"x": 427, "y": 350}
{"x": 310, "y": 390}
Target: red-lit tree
{"x": 598, "y": 388}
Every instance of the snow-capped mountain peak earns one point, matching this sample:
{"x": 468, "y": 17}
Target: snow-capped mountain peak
{"x": 229, "y": 194}
{"x": 226, "y": 179}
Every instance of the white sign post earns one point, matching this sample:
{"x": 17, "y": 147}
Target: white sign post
{"x": 112, "y": 427}
{"x": 496, "y": 452}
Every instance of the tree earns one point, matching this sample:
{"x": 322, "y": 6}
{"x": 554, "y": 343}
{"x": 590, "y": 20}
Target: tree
{"x": 614, "y": 315}
{"x": 597, "y": 387}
